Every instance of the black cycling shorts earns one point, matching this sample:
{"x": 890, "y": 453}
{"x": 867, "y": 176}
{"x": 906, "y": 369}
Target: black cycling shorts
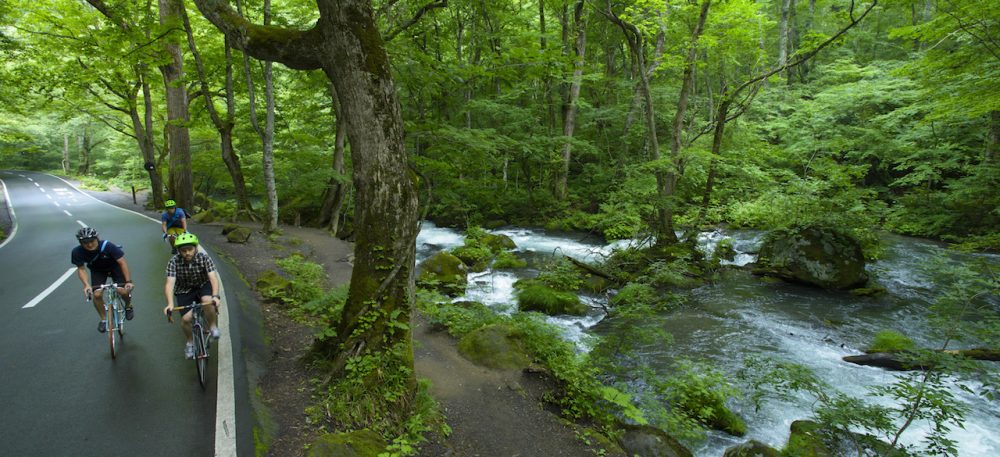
{"x": 99, "y": 277}
{"x": 192, "y": 296}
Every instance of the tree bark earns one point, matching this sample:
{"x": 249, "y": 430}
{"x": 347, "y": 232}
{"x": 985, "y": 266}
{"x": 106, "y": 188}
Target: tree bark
{"x": 65, "y": 157}
{"x": 348, "y": 48}
{"x": 333, "y": 201}
{"x": 671, "y": 175}
{"x": 181, "y": 179}
{"x": 223, "y": 126}
{"x": 993, "y": 139}
{"x": 569, "y": 119}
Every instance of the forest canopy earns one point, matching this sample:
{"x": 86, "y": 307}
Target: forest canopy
{"x": 599, "y": 116}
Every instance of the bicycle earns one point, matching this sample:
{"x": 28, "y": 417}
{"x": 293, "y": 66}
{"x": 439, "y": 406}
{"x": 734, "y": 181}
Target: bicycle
{"x": 114, "y": 312}
{"x": 170, "y": 237}
{"x": 199, "y": 336}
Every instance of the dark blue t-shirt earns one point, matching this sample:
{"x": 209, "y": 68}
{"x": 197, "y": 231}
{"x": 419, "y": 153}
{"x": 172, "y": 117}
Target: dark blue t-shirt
{"x": 175, "y": 220}
{"x": 96, "y": 259}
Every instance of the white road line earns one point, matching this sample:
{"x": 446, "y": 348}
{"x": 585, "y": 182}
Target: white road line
{"x": 42, "y": 189}
{"x": 46, "y": 292}
{"x": 50, "y": 197}
{"x": 56, "y": 203}
{"x": 29, "y": 179}
{"x": 68, "y": 213}
{"x": 81, "y": 223}
{"x": 37, "y": 185}
{"x": 13, "y": 217}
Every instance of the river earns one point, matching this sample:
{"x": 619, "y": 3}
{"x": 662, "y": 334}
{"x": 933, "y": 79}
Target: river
{"x": 741, "y": 315}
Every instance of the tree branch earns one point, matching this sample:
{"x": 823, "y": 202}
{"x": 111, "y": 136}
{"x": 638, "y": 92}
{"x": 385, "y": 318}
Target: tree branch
{"x": 416, "y": 17}
{"x": 296, "y": 49}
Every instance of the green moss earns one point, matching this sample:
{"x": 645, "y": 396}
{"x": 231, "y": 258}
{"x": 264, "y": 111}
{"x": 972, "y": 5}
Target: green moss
{"x": 445, "y": 273}
{"x": 890, "y": 341}
{"x": 806, "y": 440}
{"x": 538, "y": 297}
{"x": 476, "y": 257}
{"x": 507, "y": 260}
{"x": 633, "y": 294}
{"x": 271, "y": 284}
{"x": 361, "y": 443}
{"x": 494, "y": 346}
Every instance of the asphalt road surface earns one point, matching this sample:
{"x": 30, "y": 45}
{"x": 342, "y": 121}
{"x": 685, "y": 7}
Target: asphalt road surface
{"x": 61, "y": 392}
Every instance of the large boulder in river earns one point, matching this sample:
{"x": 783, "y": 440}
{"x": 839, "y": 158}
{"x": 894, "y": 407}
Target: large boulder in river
{"x": 646, "y": 441}
{"x": 445, "y": 273}
{"x": 752, "y": 448}
{"x": 816, "y": 255}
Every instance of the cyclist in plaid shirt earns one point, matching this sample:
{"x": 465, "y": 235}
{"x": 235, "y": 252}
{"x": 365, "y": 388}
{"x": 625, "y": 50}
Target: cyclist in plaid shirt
{"x": 191, "y": 277}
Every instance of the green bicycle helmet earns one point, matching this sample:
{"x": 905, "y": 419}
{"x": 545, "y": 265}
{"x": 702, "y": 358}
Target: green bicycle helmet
{"x": 170, "y": 203}
{"x": 186, "y": 239}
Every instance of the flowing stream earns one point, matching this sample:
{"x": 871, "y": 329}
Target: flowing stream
{"x": 741, "y": 315}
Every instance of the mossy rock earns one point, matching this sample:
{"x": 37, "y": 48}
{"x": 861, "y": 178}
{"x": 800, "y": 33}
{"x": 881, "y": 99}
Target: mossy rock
{"x": 724, "y": 419}
{"x": 752, "y": 448}
{"x": 644, "y": 440}
{"x": 241, "y": 235}
{"x": 596, "y": 284}
{"x": 361, "y": 443}
{"x": 821, "y": 256}
{"x": 494, "y": 224}
{"x": 445, "y": 272}
{"x": 869, "y": 291}
{"x": 271, "y": 284}
{"x": 495, "y": 346}
{"x": 498, "y": 243}
{"x": 476, "y": 257}
{"x": 228, "y": 228}
{"x": 541, "y": 298}
{"x": 724, "y": 250}
{"x": 507, "y": 260}
{"x": 806, "y": 440}
{"x": 204, "y": 217}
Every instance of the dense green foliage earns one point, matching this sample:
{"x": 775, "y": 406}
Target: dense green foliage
{"x": 894, "y": 126}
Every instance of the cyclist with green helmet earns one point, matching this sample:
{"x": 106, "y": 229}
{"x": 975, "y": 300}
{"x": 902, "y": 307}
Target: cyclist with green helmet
{"x": 191, "y": 277}
{"x": 173, "y": 221}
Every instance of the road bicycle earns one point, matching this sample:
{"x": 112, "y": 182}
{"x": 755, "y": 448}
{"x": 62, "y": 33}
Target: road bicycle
{"x": 200, "y": 338}
{"x": 170, "y": 237}
{"x": 114, "y": 312}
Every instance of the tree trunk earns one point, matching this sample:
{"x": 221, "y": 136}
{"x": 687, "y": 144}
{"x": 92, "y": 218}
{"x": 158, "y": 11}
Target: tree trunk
{"x": 84, "y": 142}
{"x": 661, "y": 39}
{"x": 181, "y": 180}
{"x": 345, "y": 43}
{"x": 144, "y": 137}
{"x": 333, "y": 201}
{"x": 783, "y": 33}
{"x": 671, "y": 175}
{"x": 569, "y": 119}
{"x": 65, "y": 157}
{"x": 224, "y": 127}
{"x": 993, "y": 139}
{"x": 718, "y": 132}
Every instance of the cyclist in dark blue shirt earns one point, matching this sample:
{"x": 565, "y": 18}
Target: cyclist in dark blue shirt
{"x": 104, "y": 259}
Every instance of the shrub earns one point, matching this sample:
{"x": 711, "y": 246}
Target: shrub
{"x": 507, "y": 260}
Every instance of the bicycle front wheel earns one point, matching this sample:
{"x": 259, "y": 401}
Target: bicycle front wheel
{"x": 112, "y": 316}
{"x": 201, "y": 357}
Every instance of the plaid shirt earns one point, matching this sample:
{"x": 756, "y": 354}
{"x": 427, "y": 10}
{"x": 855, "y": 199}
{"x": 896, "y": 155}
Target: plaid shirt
{"x": 190, "y": 275}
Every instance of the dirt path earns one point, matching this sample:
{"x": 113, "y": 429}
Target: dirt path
{"x": 491, "y": 413}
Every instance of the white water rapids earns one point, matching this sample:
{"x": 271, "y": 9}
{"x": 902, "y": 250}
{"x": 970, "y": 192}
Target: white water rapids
{"x": 742, "y": 315}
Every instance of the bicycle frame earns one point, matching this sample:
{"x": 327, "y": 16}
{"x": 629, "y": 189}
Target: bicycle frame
{"x": 114, "y": 312}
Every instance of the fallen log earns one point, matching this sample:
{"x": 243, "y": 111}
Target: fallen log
{"x": 903, "y": 361}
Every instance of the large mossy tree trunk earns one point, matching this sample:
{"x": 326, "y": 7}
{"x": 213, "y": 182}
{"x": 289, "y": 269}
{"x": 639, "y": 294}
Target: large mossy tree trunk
{"x": 181, "y": 178}
{"x": 345, "y": 43}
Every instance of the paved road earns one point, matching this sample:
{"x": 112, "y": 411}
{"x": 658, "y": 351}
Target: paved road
{"x": 61, "y": 392}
